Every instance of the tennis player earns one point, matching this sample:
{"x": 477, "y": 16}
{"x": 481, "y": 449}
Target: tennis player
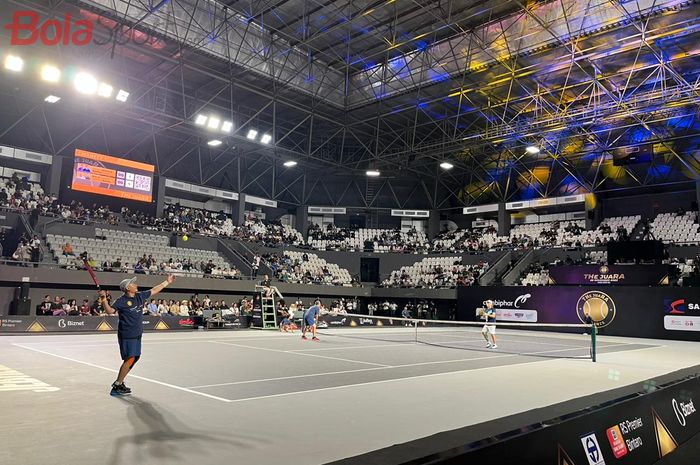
{"x": 489, "y": 329}
{"x": 129, "y": 307}
{"x": 311, "y": 319}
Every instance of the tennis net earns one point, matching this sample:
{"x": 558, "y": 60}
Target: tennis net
{"x": 546, "y": 340}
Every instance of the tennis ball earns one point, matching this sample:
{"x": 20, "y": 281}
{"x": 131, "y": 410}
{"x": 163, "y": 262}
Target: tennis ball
{"x": 184, "y": 238}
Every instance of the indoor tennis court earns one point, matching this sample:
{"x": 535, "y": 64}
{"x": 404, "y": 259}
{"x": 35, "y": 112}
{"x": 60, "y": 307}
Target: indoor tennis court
{"x": 264, "y": 397}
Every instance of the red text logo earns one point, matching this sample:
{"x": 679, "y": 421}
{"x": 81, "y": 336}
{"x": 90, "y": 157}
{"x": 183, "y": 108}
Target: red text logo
{"x": 26, "y": 30}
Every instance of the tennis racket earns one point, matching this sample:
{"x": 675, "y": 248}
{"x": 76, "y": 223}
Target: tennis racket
{"x": 92, "y": 273}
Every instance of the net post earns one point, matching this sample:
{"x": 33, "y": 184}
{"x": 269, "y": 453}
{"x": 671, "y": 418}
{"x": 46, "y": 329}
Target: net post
{"x": 594, "y": 332}
{"x": 415, "y": 332}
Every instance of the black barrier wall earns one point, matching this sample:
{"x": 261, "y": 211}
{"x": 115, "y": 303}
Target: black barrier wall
{"x": 650, "y": 312}
{"x": 29, "y": 324}
{"x": 638, "y": 431}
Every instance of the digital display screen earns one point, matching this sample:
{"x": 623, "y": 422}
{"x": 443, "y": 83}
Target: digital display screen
{"x": 115, "y": 177}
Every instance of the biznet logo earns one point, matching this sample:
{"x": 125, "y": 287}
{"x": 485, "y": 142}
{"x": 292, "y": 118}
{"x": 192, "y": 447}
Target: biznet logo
{"x": 26, "y": 28}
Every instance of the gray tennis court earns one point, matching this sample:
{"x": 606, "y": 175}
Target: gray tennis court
{"x": 266, "y": 397}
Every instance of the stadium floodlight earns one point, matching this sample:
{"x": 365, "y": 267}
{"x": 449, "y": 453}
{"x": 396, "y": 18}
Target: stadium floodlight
{"x": 200, "y": 120}
{"x": 52, "y": 99}
{"x": 14, "y": 63}
{"x": 50, "y": 73}
{"x": 214, "y": 143}
{"x": 105, "y": 90}
{"x": 85, "y": 83}
{"x": 532, "y": 149}
{"x": 252, "y": 134}
{"x": 226, "y": 126}
{"x": 373, "y": 173}
{"x": 122, "y": 95}
{"x": 214, "y": 122}
{"x": 290, "y": 163}
{"x": 446, "y": 165}
{"x": 266, "y": 138}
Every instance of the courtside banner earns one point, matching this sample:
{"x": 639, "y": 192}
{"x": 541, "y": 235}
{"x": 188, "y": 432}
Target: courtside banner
{"x": 649, "y": 312}
{"x": 638, "y": 431}
{"x": 621, "y": 275}
{"x": 30, "y": 324}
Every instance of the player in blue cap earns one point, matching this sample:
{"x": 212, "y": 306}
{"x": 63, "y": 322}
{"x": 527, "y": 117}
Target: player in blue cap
{"x": 130, "y": 309}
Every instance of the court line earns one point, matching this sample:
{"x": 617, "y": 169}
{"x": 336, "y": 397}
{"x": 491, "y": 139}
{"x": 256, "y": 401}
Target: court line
{"x": 368, "y": 383}
{"x": 388, "y": 367}
{"x": 299, "y": 353}
{"x": 154, "y": 381}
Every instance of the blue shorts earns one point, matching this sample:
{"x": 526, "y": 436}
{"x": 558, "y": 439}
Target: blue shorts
{"x": 129, "y": 347}
{"x": 310, "y": 321}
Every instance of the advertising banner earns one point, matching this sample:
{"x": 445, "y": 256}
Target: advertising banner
{"x": 638, "y": 431}
{"x": 650, "y": 312}
{"x": 621, "y": 275}
{"x": 30, "y": 324}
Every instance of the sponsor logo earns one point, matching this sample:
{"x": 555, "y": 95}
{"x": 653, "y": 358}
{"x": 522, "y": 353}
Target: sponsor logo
{"x": 517, "y": 315}
{"x": 674, "y": 307}
{"x": 338, "y": 322}
{"x": 682, "y": 323}
{"x": 616, "y": 441}
{"x": 604, "y": 270}
{"x": 63, "y": 323}
{"x": 129, "y": 303}
{"x": 521, "y": 299}
{"x": 186, "y": 322}
{"x": 366, "y": 321}
{"x": 683, "y": 410}
{"x": 592, "y": 449}
{"x": 599, "y": 305}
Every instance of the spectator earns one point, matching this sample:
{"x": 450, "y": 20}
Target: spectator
{"x": 44, "y": 308}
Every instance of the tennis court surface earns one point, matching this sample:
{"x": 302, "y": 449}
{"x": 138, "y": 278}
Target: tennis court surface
{"x": 266, "y": 398}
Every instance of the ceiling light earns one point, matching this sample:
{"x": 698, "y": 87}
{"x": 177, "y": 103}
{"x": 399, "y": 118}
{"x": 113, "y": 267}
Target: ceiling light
{"x": 446, "y": 166}
{"x": 532, "y": 149}
{"x": 122, "y": 95}
{"x": 290, "y": 163}
{"x": 85, "y": 83}
{"x": 227, "y": 126}
{"x": 200, "y": 120}
{"x": 213, "y": 122}
{"x": 266, "y": 138}
{"x": 52, "y": 99}
{"x": 373, "y": 173}
{"x": 14, "y": 63}
{"x": 214, "y": 143}
{"x": 252, "y": 134}
{"x": 50, "y": 73}
{"x": 105, "y": 90}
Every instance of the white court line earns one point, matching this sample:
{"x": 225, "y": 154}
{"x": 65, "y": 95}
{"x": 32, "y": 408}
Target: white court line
{"x": 300, "y": 353}
{"x": 368, "y": 383}
{"x": 389, "y": 367}
{"x": 180, "y": 388}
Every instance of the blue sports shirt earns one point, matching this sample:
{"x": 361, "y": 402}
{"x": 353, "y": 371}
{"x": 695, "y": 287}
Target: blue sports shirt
{"x": 131, "y": 314}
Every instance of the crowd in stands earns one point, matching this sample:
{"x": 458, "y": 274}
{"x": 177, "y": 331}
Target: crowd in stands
{"x": 422, "y": 309}
{"x": 436, "y": 273}
{"x": 306, "y": 268}
{"x": 194, "y": 306}
{"x": 382, "y": 240}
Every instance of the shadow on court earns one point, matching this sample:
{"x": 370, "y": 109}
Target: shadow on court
{"x": 159, "y": 437}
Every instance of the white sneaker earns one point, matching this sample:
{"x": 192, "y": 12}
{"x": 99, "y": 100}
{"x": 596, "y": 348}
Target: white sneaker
{"x": 488, "y": 345}
{"x": 494, "y": 346}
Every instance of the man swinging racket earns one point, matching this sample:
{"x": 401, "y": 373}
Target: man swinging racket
{"x": 130, "y": 309}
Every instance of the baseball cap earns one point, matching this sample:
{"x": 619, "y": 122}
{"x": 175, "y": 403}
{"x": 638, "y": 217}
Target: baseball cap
{"x": 125, "y": 283}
